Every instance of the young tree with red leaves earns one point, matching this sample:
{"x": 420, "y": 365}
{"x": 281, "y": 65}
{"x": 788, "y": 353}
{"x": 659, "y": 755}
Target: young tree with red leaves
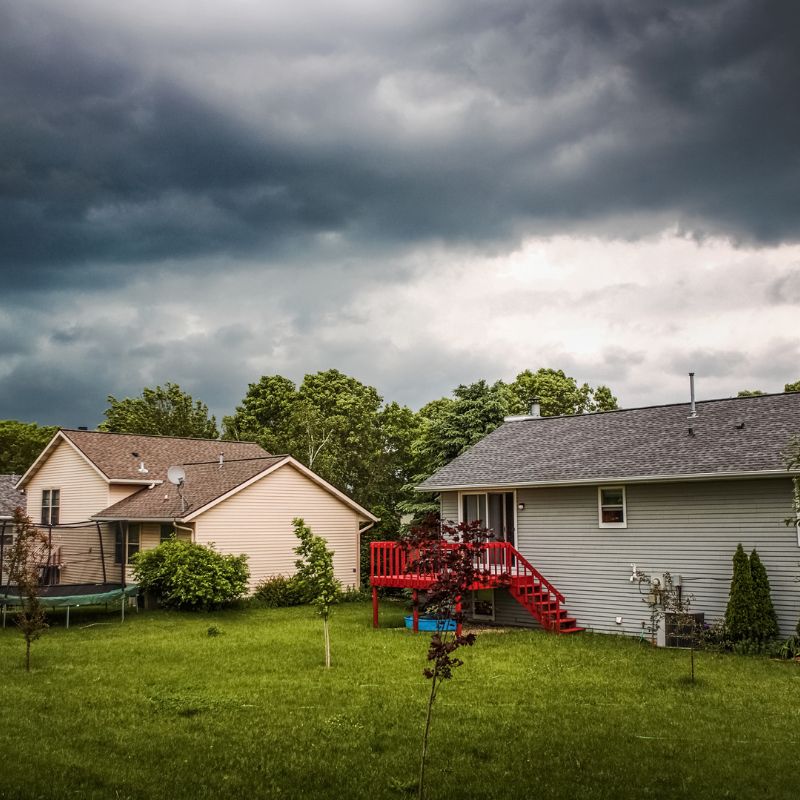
{"x": 455, "y": 555}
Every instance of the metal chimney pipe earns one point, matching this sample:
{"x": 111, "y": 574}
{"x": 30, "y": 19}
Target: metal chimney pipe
{"x": 691, "y": 394}
{"x": 536, "y": 409}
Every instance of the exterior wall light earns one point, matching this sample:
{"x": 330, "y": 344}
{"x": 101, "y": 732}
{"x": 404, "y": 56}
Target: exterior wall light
{"x": 521, "y": 506}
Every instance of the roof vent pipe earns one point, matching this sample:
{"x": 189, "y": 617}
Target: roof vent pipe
{"x": 691, "y": 394}
{"x": 221, "y": 459}
{"x": 536, "y": 409}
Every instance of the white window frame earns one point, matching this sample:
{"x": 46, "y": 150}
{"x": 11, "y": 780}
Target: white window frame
{"x": 50, "y": 506}
{"x": 486, "y": 493}
{"x": 600, "y": 505}
{"x": 494, "y": 606}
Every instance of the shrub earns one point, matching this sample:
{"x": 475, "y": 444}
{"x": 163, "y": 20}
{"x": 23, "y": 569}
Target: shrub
{"x": 765, "y": 622}
{"x": 353, "y": 595}
{"x": 280, "y": 592}
{"x": 739, "y": 615}
{"x": 190, "y": 576}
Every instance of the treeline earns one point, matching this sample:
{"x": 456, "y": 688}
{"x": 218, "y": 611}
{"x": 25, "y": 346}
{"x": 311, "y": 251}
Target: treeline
{"x": 375, "y": 451}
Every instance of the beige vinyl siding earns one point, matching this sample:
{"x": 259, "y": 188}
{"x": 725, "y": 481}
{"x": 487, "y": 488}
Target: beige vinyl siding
{"x": 258, "y": 521}
{"x": 119, "y": 491}
{"x": 83, "y": 491}
{"x": 688, "y": 529}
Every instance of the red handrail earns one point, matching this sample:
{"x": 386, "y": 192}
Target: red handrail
{"x": 391, "y": 563}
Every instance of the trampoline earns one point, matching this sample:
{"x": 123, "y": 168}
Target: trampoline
{"x": 85, "y": 564}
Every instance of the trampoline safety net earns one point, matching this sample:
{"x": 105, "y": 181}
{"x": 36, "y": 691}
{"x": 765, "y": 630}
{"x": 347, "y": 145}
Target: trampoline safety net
{"x": 80, "y": 566}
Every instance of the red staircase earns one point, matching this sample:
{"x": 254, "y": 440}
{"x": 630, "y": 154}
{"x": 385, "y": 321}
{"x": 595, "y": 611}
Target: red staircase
{"x": 500, "y": 566}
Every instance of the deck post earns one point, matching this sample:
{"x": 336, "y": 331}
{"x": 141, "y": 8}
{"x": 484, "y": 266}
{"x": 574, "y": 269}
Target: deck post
{"x": 374, "y": 606}
{"x": 458, "y": 616}
{"x": 415, "y": 611}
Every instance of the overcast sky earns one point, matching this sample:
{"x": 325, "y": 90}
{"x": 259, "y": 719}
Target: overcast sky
{"x": 417, "y": 193}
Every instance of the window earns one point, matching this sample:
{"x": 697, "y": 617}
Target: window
{"x": 167, "y": 532}
{"x": 51, "y": 499}
{"x": 483, "y": 604}
{"x": 6, "y": 536}
{"x": 611, "y": 507}
{"x": 495, "y": 510}
{"x": 133, "y": 543}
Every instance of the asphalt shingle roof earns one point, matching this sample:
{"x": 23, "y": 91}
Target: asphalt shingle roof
{"x": 731, "y": 436}
{"x": 118, "y": 455}
{"x": 204, "y": 483}
{"x": 10, "y": 497}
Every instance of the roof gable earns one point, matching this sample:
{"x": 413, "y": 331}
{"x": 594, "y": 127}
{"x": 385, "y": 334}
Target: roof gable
{"x": 118, "y": 457}
{"x": 727, "y": 438}
{"x": 208, "y": 484}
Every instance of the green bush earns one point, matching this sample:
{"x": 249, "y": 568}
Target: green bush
{"x": 190, "y": 576}
{"x": 280, "y": 592}
{"x": 353, "y": 595}
{"x": 765, "y": 622}
{"x": 739, "y": 616}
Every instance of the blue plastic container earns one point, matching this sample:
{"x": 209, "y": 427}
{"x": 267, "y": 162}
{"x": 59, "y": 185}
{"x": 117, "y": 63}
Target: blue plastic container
{"x": 432, "y": 623}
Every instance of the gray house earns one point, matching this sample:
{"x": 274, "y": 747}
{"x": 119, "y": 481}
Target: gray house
{"x": 585, "y": 498}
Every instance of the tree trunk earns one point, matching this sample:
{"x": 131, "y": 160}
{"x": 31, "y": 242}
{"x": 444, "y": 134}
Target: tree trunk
{"x": 424, "y": 756}
{"x": 27, "y": 654}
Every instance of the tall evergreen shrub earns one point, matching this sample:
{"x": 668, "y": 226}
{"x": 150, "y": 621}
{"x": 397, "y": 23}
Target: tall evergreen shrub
{"x": 765, "y": 621}
{"x": 739, "y": 617}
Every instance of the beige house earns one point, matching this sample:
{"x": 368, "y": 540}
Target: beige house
{"x": 115, "y": 489}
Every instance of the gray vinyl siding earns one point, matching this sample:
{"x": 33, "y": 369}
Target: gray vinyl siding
{"x": 449, "y": 502}
{"x": 689, "y": 529}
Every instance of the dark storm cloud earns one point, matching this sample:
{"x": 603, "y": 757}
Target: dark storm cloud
{"x": 473, "y": 123}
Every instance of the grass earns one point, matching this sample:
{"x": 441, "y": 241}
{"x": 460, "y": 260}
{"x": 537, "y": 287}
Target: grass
{"x": 159, "y": 708}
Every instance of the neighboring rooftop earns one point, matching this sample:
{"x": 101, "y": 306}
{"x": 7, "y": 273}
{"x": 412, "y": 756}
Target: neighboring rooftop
{"x": 10, "y": 497}
{"x": 735, "y": 436}
{"x": 204, "y": 483}
{"x": 119, "y": 455}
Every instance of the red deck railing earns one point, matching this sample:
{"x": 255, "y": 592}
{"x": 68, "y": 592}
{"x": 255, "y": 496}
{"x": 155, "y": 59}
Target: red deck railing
{"x": 498, "y": 564}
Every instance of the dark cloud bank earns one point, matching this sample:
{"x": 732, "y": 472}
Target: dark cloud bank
{"x": 133, "y": 150}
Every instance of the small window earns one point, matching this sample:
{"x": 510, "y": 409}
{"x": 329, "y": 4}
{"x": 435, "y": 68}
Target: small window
{"x": 483, "y": 604}
{"x": 167, "y": 532}
{"x": 51, "y": 499}
{"x": 7, "y": 538}
{"x": 611, "y": 506}
{"x": 133, "y": 543}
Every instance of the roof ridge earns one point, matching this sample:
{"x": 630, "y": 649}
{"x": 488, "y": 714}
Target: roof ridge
{"x": 236, "y": 460}
{"x": 660, "y": 405}
{"x": 161, "y": 436}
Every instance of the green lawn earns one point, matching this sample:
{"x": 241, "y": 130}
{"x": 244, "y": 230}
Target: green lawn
{"x": 156, "y": 708}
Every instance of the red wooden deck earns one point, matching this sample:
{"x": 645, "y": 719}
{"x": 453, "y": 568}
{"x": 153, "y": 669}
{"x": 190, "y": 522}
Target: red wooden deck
{"x": 499, "y": 564}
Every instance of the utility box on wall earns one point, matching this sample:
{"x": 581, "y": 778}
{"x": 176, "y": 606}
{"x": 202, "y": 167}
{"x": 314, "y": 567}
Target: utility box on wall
{"x": 676, "y": 629}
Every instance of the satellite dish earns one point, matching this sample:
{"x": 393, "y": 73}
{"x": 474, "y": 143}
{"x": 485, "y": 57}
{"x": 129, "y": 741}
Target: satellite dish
{"x": 176, "y": 475}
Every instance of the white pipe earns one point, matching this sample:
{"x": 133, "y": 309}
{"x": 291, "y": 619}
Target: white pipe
{"x": 691, "y": 393}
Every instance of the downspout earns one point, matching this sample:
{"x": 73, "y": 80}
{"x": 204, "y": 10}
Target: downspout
{"x": 358, "y": 550}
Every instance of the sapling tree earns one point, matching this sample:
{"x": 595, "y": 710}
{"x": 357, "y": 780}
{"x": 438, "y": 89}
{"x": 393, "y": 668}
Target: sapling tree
{"x": 452, "y": 553}
{"x": 316, "y": 577}
{"x": 26, "y": 556}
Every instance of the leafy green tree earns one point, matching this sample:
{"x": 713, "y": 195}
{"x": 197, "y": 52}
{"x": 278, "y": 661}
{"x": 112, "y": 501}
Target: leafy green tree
{"x": 190, "y": 576}
{"x": 792, "y": 387}
{"x": 558, "y": 394}
{"x": 265, "y": 415}
{"x": 749, "y": 393}
{"x": 163, "y": 411}
{"x": 739, "y": 618}
{"x": 765, "y": 621}
{"x": 315, "y": 576}
{"x": 21, "y": 443}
